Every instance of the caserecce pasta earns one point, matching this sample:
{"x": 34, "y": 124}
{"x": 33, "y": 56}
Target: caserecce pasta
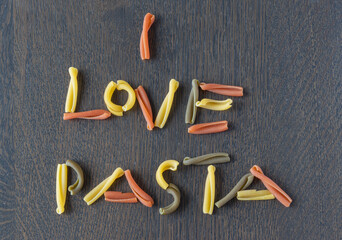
{"x": 119, "y": 197}
{"x": 91, "y": 115}
{"x": 144, "y": 47}
{"x": 143, "y": 197}
{"x": 211, "y": 158}
{"x": 174, "y": 191}
{"x": 244, "y": 183}
{"x": 120, "y": 85}
{"x": 61, "y": 187}
{"x": 279, "y": 194}
{"x": 165, "y": 108}
{"x": 145, "y": 106}
{"x": 215, "y": 105}
{"x": 77, "y": 186}
{"x": 71, "y": 100}
{"x": 250, "y": 195}
{"x": 209, "y": 191}
{"x": 206, "y": 128}
{"x": 191, "y": 108}
{"x": 99, "y": 190}
{"x": 226, "y": 90}
{"x": 164, "y": 166}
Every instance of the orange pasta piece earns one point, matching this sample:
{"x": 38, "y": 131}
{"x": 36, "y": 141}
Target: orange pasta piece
{"x": 119, "y": 197}
{"x": 143, "y": 197}
{"x": 144, "y": 47}
{"x": 205, "y": 128}
{"x": 91, "y": 115}
{"x": 280, "y": 195}
{"x": 222, "y": 89}
{"x": 145, "y": 106}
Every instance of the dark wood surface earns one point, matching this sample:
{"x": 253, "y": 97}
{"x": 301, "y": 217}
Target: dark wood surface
{"x": 286, "y": 55}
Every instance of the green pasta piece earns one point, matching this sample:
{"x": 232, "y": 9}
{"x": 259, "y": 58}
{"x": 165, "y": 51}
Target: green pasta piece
{"x": 210, "y": 158}
{"x": 174, "y": 191}
{"x": 77, "y": 186}
{"x": 244, "y": 182}
{"x": 191, "y": 108}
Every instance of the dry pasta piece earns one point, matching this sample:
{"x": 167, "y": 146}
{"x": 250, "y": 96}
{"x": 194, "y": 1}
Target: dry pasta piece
{"x": 191, "y": 108}
{"x": 143, "y": 197}
{"x": 77, "y": 186}
{"x": 165, "y": 108}
{"x": 99, "y": 190}
{"x": 244, "y": 183}
{"x": 209, "y": 191}
{"x": 215, "y": 105}
{"x": 166, "y": 165}
{"x": 250, "y": 195}
{"x": 71, "y": 100}
{"x": 144, "y": 47}
{"x": 279, "y": 194}
{"x": 174, "y": 191}
{"x": 119, "y": 197}
{"x": 145, "y": 106}
{"x": 90, "y": 115}
{"x": 226, "y": 90}
{"x": 206, "y": 128}
{"x": 61, "y": 187}
{"x": 114, "y": 108}
{"x": 210, "y": 158}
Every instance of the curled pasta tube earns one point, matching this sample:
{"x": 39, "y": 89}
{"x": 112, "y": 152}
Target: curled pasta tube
{"x": 99, "y": 190}
{"x": 279, "y": 193}
{"x": 250, "y": 195}
{"x": 211, "y": 158}
{"x": 123, "y": 85}
{"x": 174, "y": 191}
{"x": 145, "y": 106}
{"x": 143, "y": 197}
{"x": 206, "y": 128}
{"x": 191, "y": 108}
{"x": 209, "y": 191}
{"x": 90, "y": 115}
{"x": 144, "y": 47}
{"x": 215, "y": 105}
{"x": 119, "y": 197}
{"x": 233, "y": 91}
{"x": 166, "y": 165}
{"x": 165, "y": 108}
{"x": 61, "y": 187}
{"x": 70, "y": 104}
{"x": 77, "y": 186}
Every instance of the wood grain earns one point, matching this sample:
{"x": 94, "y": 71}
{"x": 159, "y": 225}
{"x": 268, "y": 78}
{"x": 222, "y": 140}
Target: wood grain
{"x": 287, "y": 56}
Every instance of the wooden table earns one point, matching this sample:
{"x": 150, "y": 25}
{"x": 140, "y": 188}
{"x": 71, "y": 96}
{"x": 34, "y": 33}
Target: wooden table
{"x": 286, "y": 55}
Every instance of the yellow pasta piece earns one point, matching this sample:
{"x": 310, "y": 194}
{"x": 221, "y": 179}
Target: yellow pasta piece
{"x": 114, "y": 108}
{"x": 209, "y": 191}
{"x": 166, "y": 165}
{"x": 61, "y": 187}
{"x": 165, "y": 108}
{"x": 99, "y": 190}
{"x": 215, "y": 105}
{"x": 70, "y": 104}
{"x": 249, "y": 195}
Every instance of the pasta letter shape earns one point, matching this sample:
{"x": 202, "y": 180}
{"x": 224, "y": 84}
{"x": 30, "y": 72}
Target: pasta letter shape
{"x": 206, "y": 128}
{"x": 165, "y": 108}
{"x": 250, "y": 195}
{"x": 143, "y": 197}
{"x": 211, "y": 158}
{"x": 71, "y": 100}
{"x": 279, "y": 194}
{"x": 166, "y": 165}
{"x": 244, "y": 183}
{"x": 209, "y": 191}
{"x": 191, "y": 108}
{"x": 145, "y": 106}
{"x": 215, "y": 105}
{"x": 144, "y": 47}
{"x": 119, "y": 197}
{"x": 90, "y": 115}
{"x": 77, "y": 186}
{"x": 174, "y": 191}
{"x": 226, "y": 90}
{"x": 99, "y": 190}
{"x": 61, "y": 187}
